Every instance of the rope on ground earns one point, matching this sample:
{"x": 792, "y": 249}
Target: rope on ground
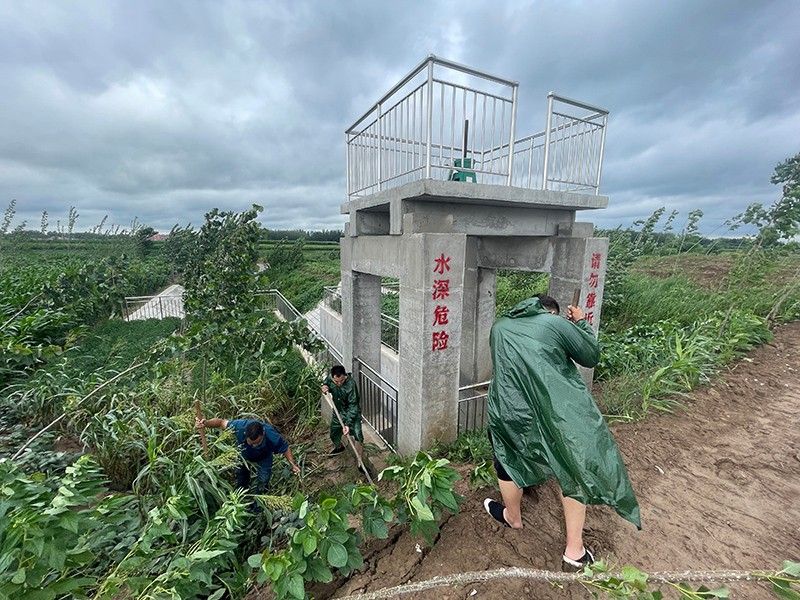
{"x": 552, "y": 577}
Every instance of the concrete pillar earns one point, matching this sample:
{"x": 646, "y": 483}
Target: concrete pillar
{"x": 431, "y": 316}
{"x": 361, "y": 323}
{"x": 478, "y": 316}
{"x": 580, "y": 263}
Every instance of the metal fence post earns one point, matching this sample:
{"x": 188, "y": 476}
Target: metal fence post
{"x": 600, "y": 161}
{"x": 511, "y": 135}
{"x": 380, "y": 147}
{"x": 430, "y": 120}
{"x": 547, "y": 138}
{"x": 347, "y": 160}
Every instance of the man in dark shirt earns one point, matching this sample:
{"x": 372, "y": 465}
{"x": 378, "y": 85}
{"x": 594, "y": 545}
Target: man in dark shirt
{"x": 257, "y": 441}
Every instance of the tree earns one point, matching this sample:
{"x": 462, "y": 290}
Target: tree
{"x": 142, "y": 241}
{"x": 781, "y": 221}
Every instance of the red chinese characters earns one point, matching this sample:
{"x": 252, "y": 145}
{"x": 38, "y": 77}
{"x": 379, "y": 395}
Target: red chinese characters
{"x": 441, "y": 291}
{"x": 593, "y": 282}
{"x": 439, "y": 340}
{"x": 442, "y": 264}
{"x": 440, "y": 315}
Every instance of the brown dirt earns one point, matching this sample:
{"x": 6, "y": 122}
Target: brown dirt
{"x": 718, "y": 484}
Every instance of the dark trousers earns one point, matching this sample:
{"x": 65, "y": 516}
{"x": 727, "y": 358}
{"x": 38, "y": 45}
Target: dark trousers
{"x": 244, "y": 479}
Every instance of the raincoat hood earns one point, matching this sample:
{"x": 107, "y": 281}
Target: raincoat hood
{"x": 526, "y": 308}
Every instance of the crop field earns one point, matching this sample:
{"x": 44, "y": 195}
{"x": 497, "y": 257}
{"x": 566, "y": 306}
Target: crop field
{"x": 108, "y": 491}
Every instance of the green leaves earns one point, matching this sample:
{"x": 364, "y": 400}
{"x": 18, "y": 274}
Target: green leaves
{"x": 425, "y": 490}
{"x": 337, "y": 555}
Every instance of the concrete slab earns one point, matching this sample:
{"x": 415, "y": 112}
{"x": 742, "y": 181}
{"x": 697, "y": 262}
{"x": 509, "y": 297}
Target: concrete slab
{"x": 433, "y": 190}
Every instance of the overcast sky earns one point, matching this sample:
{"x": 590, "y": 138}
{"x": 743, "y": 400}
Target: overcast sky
{"x": 163, "y": 110}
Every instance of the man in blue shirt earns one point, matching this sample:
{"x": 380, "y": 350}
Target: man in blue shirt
{"x": 257, "y": 441}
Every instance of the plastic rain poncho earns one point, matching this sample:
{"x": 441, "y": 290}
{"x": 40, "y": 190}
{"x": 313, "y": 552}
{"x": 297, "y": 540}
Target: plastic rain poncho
{"x": 543, "y": 420}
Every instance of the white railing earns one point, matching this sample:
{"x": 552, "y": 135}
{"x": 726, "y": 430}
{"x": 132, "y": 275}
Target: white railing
{"x": 139, "y": 308}
{"x": 390, "y": 326}
{"x": 444, "y": 119}
{"x": 440, "y": 118}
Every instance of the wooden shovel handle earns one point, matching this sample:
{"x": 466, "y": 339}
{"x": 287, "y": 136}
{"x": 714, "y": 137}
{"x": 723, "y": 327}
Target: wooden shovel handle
{"x": 576, "y": 297}
{"x": 198, "y": 413}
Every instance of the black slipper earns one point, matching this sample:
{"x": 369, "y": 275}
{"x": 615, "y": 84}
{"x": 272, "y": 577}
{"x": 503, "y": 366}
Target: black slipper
{"x": 495, "y": 510}
{"x": 584, "y": 561}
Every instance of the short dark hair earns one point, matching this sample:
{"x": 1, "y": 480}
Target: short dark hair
{"x": 548, "y": 303}
{"x": 254, "y": 431}
{"x": 338, "y": 371}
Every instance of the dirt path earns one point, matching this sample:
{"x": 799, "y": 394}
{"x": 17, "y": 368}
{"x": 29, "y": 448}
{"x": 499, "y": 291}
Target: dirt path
{"x": 718, "y": 484}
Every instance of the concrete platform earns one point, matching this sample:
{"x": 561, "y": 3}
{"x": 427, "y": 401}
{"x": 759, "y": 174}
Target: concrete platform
{"x": 457, "y": 192}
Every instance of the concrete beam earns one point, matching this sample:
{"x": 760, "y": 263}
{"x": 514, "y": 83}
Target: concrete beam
{"x": 445, "y": 217}
{"x": 377, "y": 255}
{"x": 519, "y": 253}
{"x": 434, "y": 190}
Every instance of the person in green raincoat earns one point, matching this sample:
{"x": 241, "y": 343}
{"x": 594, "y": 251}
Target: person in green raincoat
{"x": 341, "y": 386}
{"x": 544, "y": 423}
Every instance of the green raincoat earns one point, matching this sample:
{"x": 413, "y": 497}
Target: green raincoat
{"x": 348, "y": 403}
{"x": 543, "y": 420}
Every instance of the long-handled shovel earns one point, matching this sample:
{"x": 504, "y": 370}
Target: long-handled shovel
{"x": 198, "y": 413}
{"x": 329, "y": 398}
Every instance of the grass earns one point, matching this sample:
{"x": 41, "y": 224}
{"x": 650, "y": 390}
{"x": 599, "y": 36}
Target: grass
{"x": 114, "y": 344}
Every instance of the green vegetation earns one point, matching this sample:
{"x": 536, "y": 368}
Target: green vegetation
{"x": 146, "y": 513}
{"x": 301, "y": 270}
{"x": 117, "y": 498}
{"x": 322, "y": 540}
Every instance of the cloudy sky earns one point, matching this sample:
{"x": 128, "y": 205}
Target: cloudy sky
{"x": 162, "y": 110}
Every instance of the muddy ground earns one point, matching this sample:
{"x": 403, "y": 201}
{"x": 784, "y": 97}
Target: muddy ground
{"x": 718, "y": 484}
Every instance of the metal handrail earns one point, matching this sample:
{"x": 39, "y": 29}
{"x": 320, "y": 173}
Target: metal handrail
{"x": 406, "y": 136}
{"x": 577, "y": 103}
{"x": 434, "y": 60}
{"x": 474, "y": 386}
{"x": 472, "y": 406}
{"x": 391, "y": 340}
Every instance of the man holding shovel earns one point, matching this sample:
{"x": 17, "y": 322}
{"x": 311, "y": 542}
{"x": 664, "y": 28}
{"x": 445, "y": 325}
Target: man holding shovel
{"x": 342, "y": 388}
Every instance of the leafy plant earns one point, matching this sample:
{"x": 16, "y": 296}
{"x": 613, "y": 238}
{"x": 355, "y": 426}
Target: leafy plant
{"x": 425, "y": 491}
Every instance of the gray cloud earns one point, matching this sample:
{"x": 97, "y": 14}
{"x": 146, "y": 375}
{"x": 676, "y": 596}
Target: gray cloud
{"x": 164, "y": 110}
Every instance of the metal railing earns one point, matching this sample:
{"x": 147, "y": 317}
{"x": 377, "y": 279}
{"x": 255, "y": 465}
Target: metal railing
{"x": 139, "y": 308}
{"x": 472, "y": 410}
{"x": 567, "y": 155}
{"x": 439, "y": 113}
{"x": 378, "y": 402}
{"x": 390, "y": 326}
{"x": 273, "y": 300}
{"x": 378, "y": 396}
{"x": 444, "y": 117}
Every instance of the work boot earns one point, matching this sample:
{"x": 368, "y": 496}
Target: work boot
{"x": 335, "y": 451}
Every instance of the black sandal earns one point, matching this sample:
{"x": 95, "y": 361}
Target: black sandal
{"x": 495, "y": 510}
{"x": 584, "y": 561}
